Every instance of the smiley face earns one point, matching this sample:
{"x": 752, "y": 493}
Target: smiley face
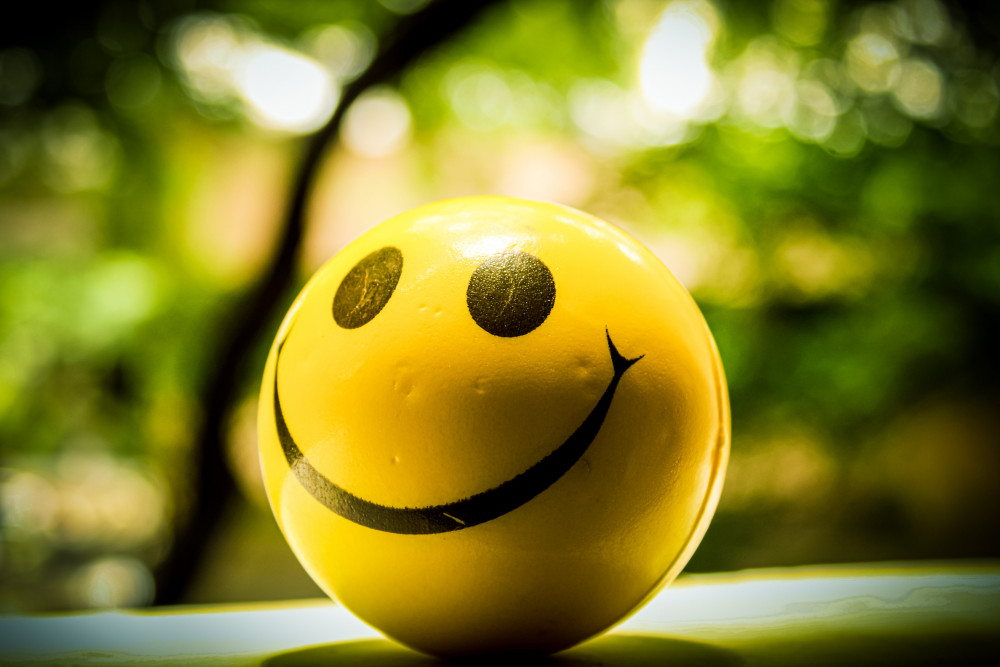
{"x": 510, "y": 294}
{"x": 491, "y": 424}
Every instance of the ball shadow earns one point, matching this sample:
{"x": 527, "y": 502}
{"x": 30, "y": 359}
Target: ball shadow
{"x": 608, "y": 651}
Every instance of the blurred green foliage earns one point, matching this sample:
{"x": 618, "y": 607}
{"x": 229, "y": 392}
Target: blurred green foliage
{"x": 827, "y": 197}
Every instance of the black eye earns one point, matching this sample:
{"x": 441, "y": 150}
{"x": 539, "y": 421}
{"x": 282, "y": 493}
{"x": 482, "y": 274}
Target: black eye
{"x": 511, "y": 294}
{"x": 366, "y": 288}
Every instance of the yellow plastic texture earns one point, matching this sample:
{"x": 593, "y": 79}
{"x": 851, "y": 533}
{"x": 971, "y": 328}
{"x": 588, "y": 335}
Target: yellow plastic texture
{"x": 420, "y": 407}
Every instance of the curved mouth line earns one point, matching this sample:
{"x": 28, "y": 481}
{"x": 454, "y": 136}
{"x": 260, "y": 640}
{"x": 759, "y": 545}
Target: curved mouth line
{"x": 464, "y": 513}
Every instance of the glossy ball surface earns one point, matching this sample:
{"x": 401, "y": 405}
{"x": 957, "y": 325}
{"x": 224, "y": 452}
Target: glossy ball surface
{"x": 491, "y": 424}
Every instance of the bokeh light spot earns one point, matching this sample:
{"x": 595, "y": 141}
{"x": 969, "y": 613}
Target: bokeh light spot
{"x": 674, "y": 74}
{"x": 873, "y": 62}
{"x": 345, "y": 50}
{"x": 378, "y": 124}
{"x": 113, "y": 582}
{"x": 815, "y": 114}
{"x": 923, "y": 21}
{"x": 285, "y": 90}
{"x": 480, "y": 96}
{"x": 764, "y": 83}
{"x": 81, "y": 154}
{"x": 226, "y": 62}
{"x": 920, "y": 88}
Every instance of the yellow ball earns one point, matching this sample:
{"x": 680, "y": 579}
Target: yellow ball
{"x": 491, "y": 424}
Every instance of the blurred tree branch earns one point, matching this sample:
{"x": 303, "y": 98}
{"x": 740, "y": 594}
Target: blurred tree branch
{"x": 213, "y": 485}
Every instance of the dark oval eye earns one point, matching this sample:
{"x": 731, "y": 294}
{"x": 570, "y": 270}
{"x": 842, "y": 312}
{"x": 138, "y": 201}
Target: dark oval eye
{"x": 366, "y": 288}
{"x": 511, "y": 294}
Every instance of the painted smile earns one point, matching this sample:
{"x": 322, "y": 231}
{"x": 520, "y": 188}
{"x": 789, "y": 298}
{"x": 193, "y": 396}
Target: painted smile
{"x": 464, "y": 513}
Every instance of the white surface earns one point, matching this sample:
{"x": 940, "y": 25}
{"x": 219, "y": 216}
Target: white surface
{"x": 703, "y": 606}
